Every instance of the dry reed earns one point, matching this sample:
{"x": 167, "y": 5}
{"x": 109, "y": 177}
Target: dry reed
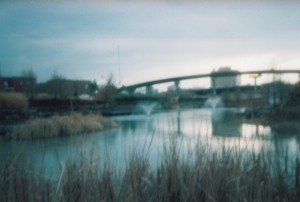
{"x": 56, "y": 126}
{"x": 9, "y": 100}
{"x": 227, "y": 175}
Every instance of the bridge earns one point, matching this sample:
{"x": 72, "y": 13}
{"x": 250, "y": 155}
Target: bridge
{"x": 213, "y": 75}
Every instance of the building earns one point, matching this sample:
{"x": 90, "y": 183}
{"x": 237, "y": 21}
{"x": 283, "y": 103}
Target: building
{"x": 64, "y": 87}
{"x": 18, "y": 84}
{"x": 220, "y": 81}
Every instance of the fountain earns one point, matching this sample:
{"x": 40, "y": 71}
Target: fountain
{"x": 213, "y": 102}
{"x": 147, "y": 107}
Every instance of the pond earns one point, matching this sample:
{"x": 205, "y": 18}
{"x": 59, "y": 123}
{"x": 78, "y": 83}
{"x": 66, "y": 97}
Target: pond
{"x": 149, "y": 135}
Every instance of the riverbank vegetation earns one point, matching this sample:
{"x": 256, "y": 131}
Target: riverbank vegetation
{"x": 227, "y": 175}
{"x": 55, "y": 126}
{"x": 287, "y": 115}
{"x": 13, "y": 101}
{"x": 281, "y": 117}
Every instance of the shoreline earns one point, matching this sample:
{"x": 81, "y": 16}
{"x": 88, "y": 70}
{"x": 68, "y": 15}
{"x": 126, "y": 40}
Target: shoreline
{"x": 279, "y": 119}
{"x": 260, "y": 115}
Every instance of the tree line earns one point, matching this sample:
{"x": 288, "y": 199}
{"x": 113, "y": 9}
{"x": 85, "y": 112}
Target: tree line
{"x": 58, "y": 84}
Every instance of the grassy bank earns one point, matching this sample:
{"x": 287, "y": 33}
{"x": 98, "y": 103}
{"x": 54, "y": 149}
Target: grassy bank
{"x": 224, "y": 176}
{"x": 55, "y": 126}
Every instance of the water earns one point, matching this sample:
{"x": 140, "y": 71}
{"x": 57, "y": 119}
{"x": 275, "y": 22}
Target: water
{"x": 148, "y": 135}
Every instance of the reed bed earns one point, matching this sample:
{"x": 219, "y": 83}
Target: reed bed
{"x": 9, "y": 100}
{"x": 56, "y": 126}
{"x": 228, "y": 175}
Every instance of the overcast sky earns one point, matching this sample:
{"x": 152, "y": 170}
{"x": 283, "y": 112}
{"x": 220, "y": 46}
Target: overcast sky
{"x": 156, "y": 40}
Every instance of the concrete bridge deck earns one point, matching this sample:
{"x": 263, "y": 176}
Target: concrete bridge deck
{"x": 176, "y": 80}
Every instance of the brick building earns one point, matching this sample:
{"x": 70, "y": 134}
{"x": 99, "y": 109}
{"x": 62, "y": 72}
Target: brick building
{"x": 18, "y": 84}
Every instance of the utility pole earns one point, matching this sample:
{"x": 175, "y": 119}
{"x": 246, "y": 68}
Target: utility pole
{"x": 119, "y": 68}
{"x": 274, "y": 89}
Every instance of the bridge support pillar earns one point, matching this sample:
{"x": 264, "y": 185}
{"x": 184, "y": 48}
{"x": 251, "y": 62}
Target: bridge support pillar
{"x": 255, "y": 76}
{"x": 213, "y": 86}
{"x": 177, "y": 87}
{"x": 149, "y": 90}
{"x": 131, "y": 91}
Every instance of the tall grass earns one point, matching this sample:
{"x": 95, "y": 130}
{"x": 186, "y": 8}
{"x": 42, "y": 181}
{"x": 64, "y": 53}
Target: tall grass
{"x": 228, "y": 175}
{"x": 55, "y": 126}
{"x": 17, "y": 101}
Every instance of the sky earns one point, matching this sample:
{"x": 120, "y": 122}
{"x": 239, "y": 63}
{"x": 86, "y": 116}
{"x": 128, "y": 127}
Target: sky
{"x": 137, "y": 42}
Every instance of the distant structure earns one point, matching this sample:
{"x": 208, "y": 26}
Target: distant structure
{"x": 17, "y": 84}
{"x": 57, "y": 87}
{"x": 65, "y": 88}
{"x": 225, "y": 81}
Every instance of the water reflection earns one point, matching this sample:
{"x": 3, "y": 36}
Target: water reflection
{"x": 148, "y": 135}
{"x": 225, "y": 123}
{"x": 255, "y": 131}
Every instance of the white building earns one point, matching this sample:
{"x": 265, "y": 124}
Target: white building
{"x": 225, "y": 81}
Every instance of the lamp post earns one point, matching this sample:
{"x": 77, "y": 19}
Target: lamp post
{"x": 255, "y": 76}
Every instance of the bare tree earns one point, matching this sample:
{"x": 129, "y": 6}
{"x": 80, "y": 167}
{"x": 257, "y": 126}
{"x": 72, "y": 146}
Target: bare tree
{"x": 29, "y": 82}
{"x": 56, "y": 84}
{"x": 29, "y": 73}
{"x": 107, "y": 91}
